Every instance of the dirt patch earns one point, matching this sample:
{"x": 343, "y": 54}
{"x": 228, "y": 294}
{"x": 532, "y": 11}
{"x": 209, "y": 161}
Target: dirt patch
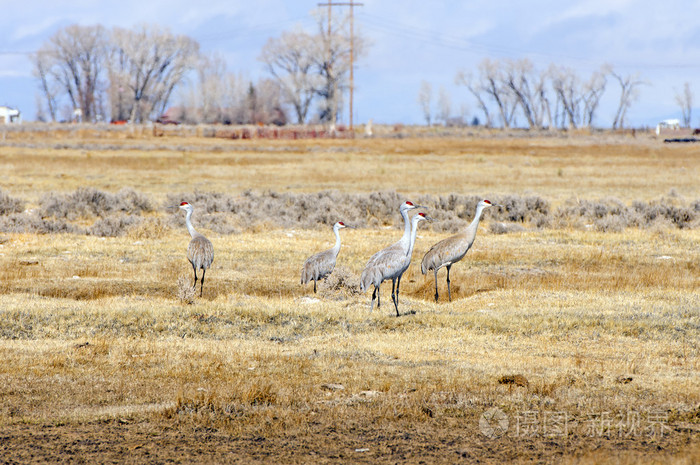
{"x": 121, "y": 441}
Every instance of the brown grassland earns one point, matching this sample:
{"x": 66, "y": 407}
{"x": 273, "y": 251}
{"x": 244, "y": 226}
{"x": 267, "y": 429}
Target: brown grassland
{"x": 106, "y": 358}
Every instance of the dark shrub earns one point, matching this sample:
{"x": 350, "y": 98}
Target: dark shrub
{"x": 113, "y": 226}
{"x": 10, "y": 204}
{"x": 87, "y": 201}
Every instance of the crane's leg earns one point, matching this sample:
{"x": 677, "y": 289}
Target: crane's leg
{"x": 449, "y": 292}
{"x": 436, "y": 291}
{"x": 374, "y": 295}
{"x": 201, "y": 289}
{"x": 194, "y": 286}
{"x": 398, "y": 284}
{"x": 379, "y": 301}
{"x": 314, "y": 285}
{"x": 394, "y": 296}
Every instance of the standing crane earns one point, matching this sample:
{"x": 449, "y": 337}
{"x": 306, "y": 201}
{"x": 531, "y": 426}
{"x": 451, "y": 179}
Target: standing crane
{"x": 449, "y": 251}
{"x": 200, "y": 252}
{"x": 319, "y": 266}
{"x": 401, "y": 245}
{"x": 391, "y": 265}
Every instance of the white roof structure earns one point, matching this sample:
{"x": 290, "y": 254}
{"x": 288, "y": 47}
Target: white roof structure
{"x": 9, "y": 115}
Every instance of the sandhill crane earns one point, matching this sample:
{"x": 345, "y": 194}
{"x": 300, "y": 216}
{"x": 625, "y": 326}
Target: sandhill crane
{"x": 320, "y": 265}
{"x": 402, "y": 245}
{"x": 391, "y": 265}
{"x": 449, "y": 251}
{"x": 200, "y": 252}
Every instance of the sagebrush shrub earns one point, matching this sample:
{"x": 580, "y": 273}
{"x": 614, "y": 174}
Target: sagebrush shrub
{"x": 497, "y": 227}
{"x": 113, "y": 226}
{"x": 88, "y": 201}
{"x": 32, "y": 222}
{"x": 185, "y": 292}
{"x": 341, "y": 280}
{"x": 123, "y": 212}
{"x": 10, "y": 204}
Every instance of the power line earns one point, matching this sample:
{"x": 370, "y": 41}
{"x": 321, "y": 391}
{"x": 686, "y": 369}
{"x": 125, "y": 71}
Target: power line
{"x": 440, "y": 39}
{"x": 15, "y": 52}
{"x": 254, "y": 30}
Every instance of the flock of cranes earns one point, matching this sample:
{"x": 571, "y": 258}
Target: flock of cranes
{"x": 389, "y": 263}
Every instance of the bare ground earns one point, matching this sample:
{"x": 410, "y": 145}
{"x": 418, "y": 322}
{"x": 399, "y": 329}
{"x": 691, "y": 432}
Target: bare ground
{"x": 133, "y": 441}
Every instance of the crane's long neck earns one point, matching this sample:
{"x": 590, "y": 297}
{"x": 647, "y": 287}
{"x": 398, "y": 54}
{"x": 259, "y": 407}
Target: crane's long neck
{"x": 188, "y": 221}
{"x": 406, "y": 238}
{"x": 336, "y": 247}
{"x": 474, "y": 225}
{"x": 414, "y": 232}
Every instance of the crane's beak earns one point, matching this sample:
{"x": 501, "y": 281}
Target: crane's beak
{"x": 428, "y": 218}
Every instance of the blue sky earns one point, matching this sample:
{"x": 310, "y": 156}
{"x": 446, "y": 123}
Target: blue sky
{"x": 411, "y": 41}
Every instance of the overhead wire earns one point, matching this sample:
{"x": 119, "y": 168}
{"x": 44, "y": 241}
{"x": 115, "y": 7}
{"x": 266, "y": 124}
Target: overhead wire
{"x": 255, "y": 30}
{"x": 440, "y": 39}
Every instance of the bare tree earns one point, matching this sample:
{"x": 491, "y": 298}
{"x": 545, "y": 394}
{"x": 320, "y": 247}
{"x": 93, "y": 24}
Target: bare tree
{"x": 577, "y": 101}
{"x": 42, "y": 71}
{"x": 234, "y": 98}
{"x": 271, "y": 102}
{"x": 444, "y": 106}
{"x": 151, "y": 62}
{"x": 290, "y": 60}
{"x": 72, "y": 61}
{"x": 314, "y": 67}
{"x": 331, "y": 59}
{"x": 515, "y": 86}
{"x": 478, "y": 91}
{"x": 221, "y": 97}
{"x": 425, "y": 97}
{"x": 494, "y": 84}
{"x": 212, "y": 73}
{"x": 565, "y": 83}
{"x": 684, "y": 99}
{"x": 593, "y": 90}
{"x": 629, "y": 92}
{"x": 529, "y": 89}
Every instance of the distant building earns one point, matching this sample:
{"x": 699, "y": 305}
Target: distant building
{"x": 673, "y": 124}
{"x": 9, "y": 115}
{"x": 173, "y": 115}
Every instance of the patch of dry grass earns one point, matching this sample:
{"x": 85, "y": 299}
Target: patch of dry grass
{"x": 98, "y": 337}
{"x": 588, "y": 167}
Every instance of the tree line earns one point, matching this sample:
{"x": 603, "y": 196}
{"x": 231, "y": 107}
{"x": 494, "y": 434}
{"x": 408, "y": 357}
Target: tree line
{"x": 555, "y": 97}
{"x": 89, "y": 73}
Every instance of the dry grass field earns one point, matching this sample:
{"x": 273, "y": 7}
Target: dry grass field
{"x": 580, "y": 324}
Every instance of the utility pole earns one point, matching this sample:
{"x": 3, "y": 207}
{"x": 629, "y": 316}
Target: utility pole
{"x": 351, "y": 4}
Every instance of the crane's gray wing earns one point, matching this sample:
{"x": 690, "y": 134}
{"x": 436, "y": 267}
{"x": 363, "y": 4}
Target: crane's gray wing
{"x": 318, "y": 266}
{"x": 449, "y": 250}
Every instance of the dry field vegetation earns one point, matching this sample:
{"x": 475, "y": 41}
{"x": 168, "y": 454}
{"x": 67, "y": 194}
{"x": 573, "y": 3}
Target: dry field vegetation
{"x": 584, "y": 292}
